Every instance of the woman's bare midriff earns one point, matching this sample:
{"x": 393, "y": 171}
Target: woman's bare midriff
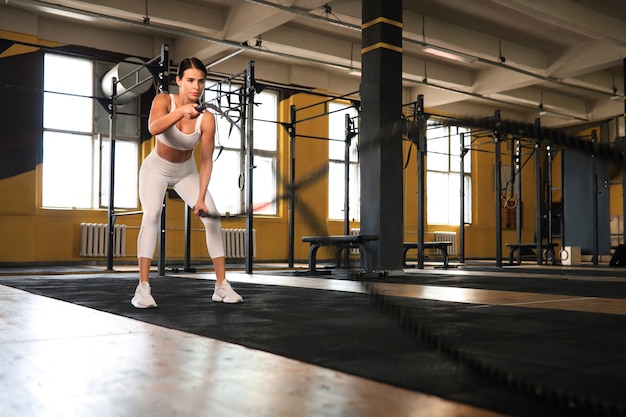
{"x": 170, "y": 154}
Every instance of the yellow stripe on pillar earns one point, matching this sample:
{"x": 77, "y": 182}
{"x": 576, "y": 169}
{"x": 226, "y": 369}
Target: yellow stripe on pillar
{"x": 381, "y": 20}
{"x": 381, "y": 45}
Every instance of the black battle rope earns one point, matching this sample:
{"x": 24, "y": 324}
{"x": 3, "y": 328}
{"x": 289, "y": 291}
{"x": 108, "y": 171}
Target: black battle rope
{"x": 309, "y": 179}
{"x": 208, "y": 105}
{"x": 574, "y": 403}
{"x": 542, "y": 134}
{"x": 408, "y": 320}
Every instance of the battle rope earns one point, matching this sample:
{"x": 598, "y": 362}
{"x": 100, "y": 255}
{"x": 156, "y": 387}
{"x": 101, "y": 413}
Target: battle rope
{"x": 574, "y": 403}
{"x": 408, "y": 320}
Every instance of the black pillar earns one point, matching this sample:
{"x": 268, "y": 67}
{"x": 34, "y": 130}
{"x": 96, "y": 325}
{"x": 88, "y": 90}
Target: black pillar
{"x": 497, "y": 138}
{"x": 624, "y": 150}
{"x": 381, "y": 130}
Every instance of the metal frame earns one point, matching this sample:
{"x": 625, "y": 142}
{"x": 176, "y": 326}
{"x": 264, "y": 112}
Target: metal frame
{"x": 163, "y": 81}
{"x": 291, "y": 193}
{"x": 162, "y": 76}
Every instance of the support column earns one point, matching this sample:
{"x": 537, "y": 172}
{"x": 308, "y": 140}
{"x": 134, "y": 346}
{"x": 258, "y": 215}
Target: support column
{"x": 623, "y": 148}
{"x": 497, "y": 138}
{"x": 381, "y": 130}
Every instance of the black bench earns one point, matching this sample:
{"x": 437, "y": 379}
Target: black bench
{"x": 442, "y": 246}
{"x": 516, "y": 248}
{"x": 341, "y": 242}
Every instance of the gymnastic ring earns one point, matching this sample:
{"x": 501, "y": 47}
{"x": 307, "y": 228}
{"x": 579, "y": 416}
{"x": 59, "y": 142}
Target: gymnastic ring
{"x": 506, "y": 202}
{"x": 548, "y": 256}
{"x": 513, "y": 204}
{"x": 564, "y": 255}
{"x": 241, "y": 181}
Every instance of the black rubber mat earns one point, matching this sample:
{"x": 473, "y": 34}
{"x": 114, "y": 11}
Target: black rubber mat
{"x": 579, "y": 354}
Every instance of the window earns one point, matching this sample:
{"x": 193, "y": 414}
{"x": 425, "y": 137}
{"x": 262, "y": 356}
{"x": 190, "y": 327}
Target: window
{"x": 227, "y": 186}
{"x": 76, "y": 146}
{"x": 443, "y": 175}
{"x": 337, "y": 167}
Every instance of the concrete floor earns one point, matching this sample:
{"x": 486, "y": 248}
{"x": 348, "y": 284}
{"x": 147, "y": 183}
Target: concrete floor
{"x": 62, "y": 359}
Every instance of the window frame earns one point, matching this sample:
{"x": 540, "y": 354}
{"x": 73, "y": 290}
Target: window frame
{"x": 222, "y": 145}
{"x": 98, "y": 196}
{"x": 451, "y": 174}
{"x": 354, "y": 163}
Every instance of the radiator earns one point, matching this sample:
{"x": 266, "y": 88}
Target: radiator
{"x": 94, "y": 240}
{"x": 447, "y": 237}
{"x": 235, "y": 242}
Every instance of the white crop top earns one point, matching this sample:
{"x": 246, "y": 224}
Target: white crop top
{"x": 176, "y": 139}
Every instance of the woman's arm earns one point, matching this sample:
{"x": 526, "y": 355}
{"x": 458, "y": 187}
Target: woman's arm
{"x": 161, "y": 118}
{"x": 207, "y": 146}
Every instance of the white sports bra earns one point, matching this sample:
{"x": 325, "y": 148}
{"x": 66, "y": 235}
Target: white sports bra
{"x": 176, "y": 139}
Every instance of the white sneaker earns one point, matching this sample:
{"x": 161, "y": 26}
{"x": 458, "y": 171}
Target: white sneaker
{"x": 226, "y": 294}
{"x": 143, "y": 297}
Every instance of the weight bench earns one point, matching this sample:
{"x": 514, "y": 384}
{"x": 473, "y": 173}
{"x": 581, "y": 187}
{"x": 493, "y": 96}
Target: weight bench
{"x": 442, "y": 246}
{"x": 516, "y": 248}
{"x": 341, "y": 242}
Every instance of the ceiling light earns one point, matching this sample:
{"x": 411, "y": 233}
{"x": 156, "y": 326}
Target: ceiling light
{"x": 448, "y": 54}
{"x": 615, "y": 96}
{"x": 545, "y": 112}
{"x": 542, "y": 110}
{"x": 84, "y": 16}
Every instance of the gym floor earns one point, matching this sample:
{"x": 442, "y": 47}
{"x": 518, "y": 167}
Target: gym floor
{"x": 523, "y": 340}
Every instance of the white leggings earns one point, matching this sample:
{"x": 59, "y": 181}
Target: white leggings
{"x": 155, "y": 175}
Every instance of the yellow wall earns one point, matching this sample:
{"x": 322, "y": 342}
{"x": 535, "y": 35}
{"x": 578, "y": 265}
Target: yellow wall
{"x": 17, "y": 48}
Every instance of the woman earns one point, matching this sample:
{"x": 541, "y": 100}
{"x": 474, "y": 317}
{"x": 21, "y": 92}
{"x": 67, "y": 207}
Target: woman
{"x": 178, "y": 128}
